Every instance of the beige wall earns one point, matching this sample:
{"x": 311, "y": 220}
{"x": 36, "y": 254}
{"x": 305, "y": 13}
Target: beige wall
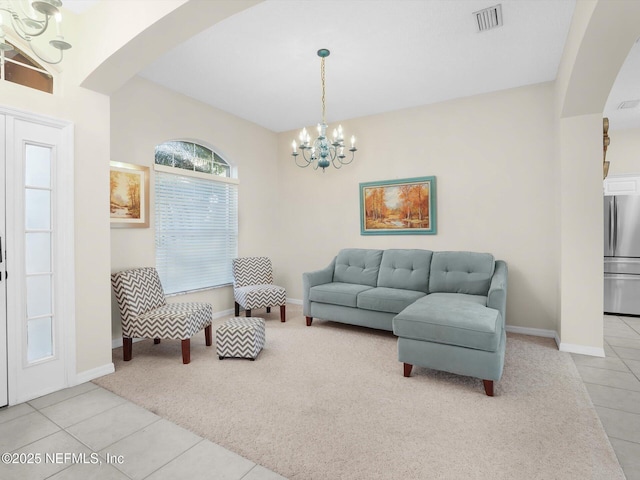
{"x": 493, "y": 159}
{"x": 624, "y": 152}
{"x": 144, "y": 115}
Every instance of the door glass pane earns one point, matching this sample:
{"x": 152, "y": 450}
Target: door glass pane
{"x": 39, "y": 296}
{"x": 37, "y": 166}
{"x": 37, "y": 209}
{"x": 39, "y": 339}
{"x": 38, "y": 252}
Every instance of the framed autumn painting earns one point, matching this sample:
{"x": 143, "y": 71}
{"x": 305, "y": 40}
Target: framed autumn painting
{"x": 129, "y": 195}
{"x": 398, "y": 207}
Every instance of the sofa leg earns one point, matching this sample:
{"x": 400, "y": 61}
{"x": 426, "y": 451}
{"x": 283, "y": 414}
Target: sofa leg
{"x": 207, "y": 336}
{"x": 268, "y": 309}
{"x": 156, "y": 341}
{"x": 237, "y": 309}
{"x": 186, "y": 350}
{"x": 283, "y": 313}
{"x": 407, "y": 369}
{"x": 309, "y": 320}
{"x": 127, "y": 348}
{"x": 488, "y": 387}
{"x": 247, "y": 312}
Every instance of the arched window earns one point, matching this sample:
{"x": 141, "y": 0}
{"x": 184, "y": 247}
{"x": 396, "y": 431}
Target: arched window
{"x": 196, "y": 217}
{"x": 18, "y": 67}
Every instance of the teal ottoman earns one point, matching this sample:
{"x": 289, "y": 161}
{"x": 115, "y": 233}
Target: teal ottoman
{"x": 453, "y": 334}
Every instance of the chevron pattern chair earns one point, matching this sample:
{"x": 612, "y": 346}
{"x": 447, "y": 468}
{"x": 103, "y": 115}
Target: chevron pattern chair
{"x": 146, "y": 314}
{"x": 253, "y": 286}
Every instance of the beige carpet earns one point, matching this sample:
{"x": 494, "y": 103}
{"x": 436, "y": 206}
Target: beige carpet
{"x": 330, "y": 402}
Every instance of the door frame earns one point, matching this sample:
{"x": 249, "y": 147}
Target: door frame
{"x": 64, "y": 255}
{"x": 4, "y": 354}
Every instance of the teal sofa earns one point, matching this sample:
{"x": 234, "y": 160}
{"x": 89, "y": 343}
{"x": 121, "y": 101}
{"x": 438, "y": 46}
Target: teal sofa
{"x": 446, "y": 308}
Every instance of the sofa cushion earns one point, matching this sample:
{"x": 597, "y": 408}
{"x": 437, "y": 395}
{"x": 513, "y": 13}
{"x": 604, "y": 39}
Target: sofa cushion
{"x": 452, "y": 322}
{"x": 358, "y": 265}
{"x": 461, "y": 272}
{"x": 405, "y": 268}
{"x": 337, "y": 293}
{"x": 463, "y": 297}
{"x": 391, "y": 300}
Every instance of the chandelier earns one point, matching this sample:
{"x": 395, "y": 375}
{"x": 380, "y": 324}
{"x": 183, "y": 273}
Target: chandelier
{"x": 31, "y": 19}
{"x": 323, "y": 152}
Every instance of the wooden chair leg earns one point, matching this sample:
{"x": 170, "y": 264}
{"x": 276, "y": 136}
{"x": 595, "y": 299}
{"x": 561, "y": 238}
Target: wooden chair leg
{"x": 127, "y": 348}
{"x": 237, "y": 309}
{"x": 156, "y": 341}
{"x": 247, "y": 312}
{"x": 407, "y": 369}
{"x": 207, "y": 335}
{"x": 186, "y": 350}
{"x": 488, "y": 387}
{"x": 309, "y": 320}
{"x": 283, "y": 313}
{"x": 268, "y": 309}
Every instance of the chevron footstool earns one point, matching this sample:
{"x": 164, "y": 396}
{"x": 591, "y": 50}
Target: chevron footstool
{"x": 240, "y": 337}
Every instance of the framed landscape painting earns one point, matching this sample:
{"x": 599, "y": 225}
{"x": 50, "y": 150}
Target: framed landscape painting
{"x": 129, "y": 195}
{"x": 398, "y": 207}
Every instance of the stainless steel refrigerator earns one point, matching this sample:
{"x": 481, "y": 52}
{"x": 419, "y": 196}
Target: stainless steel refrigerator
{"x": 622, "y": 254}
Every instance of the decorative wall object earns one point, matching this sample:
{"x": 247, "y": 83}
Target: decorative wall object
{"x": 398, "y": 207}
{"x": 129, "y": 195}
{"x": 605, "y": 143}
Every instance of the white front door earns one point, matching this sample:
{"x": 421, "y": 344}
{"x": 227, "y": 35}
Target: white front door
{"x": 39, "y": 303}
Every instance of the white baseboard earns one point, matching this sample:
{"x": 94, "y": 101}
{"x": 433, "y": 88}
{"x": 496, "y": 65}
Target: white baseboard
{"x": 581, "y": 349}
{"x": 294, "y": 301}
{"x": 563, "y": 347}
{"x": 117, "y": 342}
{"x": 536, "y": 332}
{"x": 89, "y": 375}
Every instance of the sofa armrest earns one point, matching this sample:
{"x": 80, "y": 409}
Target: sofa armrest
{"x": 311, "y": 279}
{"x": 497, "y": 297}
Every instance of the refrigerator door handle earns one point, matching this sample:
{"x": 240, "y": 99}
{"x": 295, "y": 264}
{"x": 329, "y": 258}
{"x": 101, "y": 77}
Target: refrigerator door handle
{"x": 613, "y": 235}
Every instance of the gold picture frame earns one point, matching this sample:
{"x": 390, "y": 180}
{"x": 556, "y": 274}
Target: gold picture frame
{"x": 129, "y": 195}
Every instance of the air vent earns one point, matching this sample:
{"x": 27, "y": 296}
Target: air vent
{"x": 489, "y": 18}
{"x": 628, "y": 104}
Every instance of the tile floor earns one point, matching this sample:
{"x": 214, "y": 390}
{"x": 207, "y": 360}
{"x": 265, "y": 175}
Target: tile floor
{"x": 88, "y": 433}
{"x": 613, "y": 383}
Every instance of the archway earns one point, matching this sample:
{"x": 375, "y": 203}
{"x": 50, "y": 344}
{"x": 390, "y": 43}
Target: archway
{"x": 592, "y": 58}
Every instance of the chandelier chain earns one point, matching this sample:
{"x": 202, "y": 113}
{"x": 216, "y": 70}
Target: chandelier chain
{"x": 322, "y": 77}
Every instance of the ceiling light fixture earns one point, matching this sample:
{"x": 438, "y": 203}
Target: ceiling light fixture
{"x": 30, "y": 19}
{"x": 323, "y": 152}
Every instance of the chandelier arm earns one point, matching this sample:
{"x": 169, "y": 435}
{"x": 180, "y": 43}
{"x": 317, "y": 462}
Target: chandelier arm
{"x": 304, "y": 157}
{"x": 353, "y": 154}
{"x": 50, "y": 62}
{"x": 22, "y": 29}
{"x": 333, "y": 151}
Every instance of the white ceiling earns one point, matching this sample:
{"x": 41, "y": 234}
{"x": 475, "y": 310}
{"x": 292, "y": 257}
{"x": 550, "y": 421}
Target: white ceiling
{"x": 261, "y": 63}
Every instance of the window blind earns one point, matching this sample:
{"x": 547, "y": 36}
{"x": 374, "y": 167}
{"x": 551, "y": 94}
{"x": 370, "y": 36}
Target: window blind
{"x": 196, "y": 223}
